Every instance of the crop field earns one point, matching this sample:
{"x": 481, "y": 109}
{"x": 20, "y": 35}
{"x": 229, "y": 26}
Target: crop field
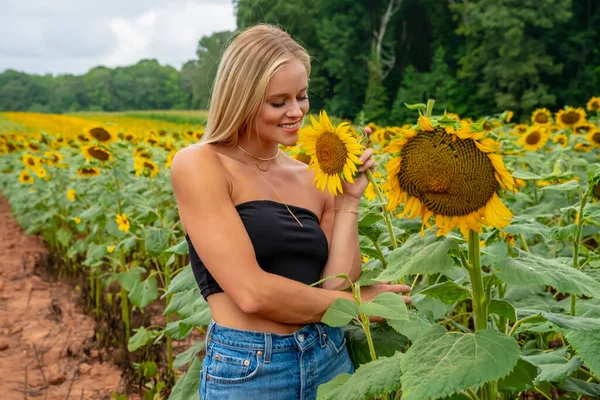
{"x": 495, "y": 223}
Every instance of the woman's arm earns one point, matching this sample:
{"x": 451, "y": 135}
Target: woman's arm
{"x": 220, "y": 238}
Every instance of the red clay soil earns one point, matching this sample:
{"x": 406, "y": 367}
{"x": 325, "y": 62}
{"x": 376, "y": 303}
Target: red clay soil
{"x": 44, "y": 333}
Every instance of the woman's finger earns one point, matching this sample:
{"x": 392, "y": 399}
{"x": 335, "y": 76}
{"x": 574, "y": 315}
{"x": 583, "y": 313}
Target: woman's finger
{"x": 407, "y": 299}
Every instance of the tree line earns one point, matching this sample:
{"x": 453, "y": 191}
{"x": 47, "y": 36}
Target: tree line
{"x": 475, "y": 57}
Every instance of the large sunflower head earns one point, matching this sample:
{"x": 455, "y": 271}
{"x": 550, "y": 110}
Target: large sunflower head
{"x": 534, "y": 138}
{"x": 444, "y": 170}
{"x": 593, "y": 137}
{"x": 570, "y": 117}
{"x": 97, "y": 153}
{"x": 541, "y": 116}
{"x": 585, "y": 128}
{"x": 593, "y": 104}
{"x": 334, "y": 153}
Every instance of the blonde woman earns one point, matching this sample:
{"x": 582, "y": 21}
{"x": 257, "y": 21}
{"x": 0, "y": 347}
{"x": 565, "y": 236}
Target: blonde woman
{"x": 259, "y": 233}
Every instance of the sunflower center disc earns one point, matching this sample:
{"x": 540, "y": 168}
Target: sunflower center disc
{"x": 331, "y": 153}
{"x": 541, "y": 118}
{"x": 570, "y": 117}
{"x": 100, "y": 134}
{"x": 596, "y": 137}
{"x": 99, "y": 153}
{"x": 449, "y": 178}
{"x": 533, "y": 138}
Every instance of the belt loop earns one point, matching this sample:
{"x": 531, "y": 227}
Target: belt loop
{"x": 209, "y": 330}
{"x": 268, "y": 347}
{"x": 321, "y": 332}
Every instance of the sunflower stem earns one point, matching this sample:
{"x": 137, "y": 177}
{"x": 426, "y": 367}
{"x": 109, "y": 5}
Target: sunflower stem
{"x": 386, "y": 215}
{"x": 583, "y": 199}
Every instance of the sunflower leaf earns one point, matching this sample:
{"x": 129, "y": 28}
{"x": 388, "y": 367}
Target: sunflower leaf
{"x": 525, "y": 175}
{"x": 553, "y": 365}
{"x": 340, "y": 313}
{"x": 529, "y": 269}
{"x": 443, "y": 363}
{"x": 385, "y": 305}
{"x": 586, "y": 345}
{"x": 448, "y": 292}
{"x": 431, "y": 259}
{"x": 417, "y": 106}
{"x": 521, "y": 378}
{"x": 386, "y": 341}
{"x": 563, "y": 187}
{"x": 375, "y": 378}
{"x": 503, "y": 308}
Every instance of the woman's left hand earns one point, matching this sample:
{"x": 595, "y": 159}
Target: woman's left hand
{"x": 356, "y": 189}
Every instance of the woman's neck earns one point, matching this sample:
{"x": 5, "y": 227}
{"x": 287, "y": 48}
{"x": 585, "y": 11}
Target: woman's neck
{"x": 258, "y": 148}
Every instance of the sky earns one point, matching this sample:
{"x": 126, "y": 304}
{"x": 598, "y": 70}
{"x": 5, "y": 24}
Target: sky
{"x": 73, "y": 36}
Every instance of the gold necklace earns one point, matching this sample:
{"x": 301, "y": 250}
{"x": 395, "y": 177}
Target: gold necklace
{"x": 261, "y": 159}
{"x": 272, "y": 187}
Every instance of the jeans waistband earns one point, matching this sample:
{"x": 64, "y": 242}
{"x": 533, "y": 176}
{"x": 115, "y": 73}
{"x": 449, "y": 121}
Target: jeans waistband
{"x": 300, "y": 340}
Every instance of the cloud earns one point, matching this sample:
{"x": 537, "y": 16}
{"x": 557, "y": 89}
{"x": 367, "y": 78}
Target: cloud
{"x": 70, "y": 36}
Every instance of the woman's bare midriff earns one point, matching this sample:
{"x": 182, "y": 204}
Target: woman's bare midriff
{"x": 226, "y": 313}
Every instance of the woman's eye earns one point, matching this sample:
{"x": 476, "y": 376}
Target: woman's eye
{"x": 277, "y": 105}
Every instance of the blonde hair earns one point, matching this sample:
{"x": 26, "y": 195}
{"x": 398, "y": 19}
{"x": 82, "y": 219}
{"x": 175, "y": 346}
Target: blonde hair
{"x": 247, "y": 66}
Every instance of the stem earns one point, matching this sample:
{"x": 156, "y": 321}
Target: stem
{"x": 124, "y": 298}
{"x": 386, "y": 215}
{"x": 583, "y": 199}
{"x": 542, "y": 393}
{"x": 118, "y": 191}
{"x": 367, "y": 329}
{"x": 524, "y": 243}
{"x": 381, "y": 257}
{"x": 519, "y": 322}
{"x": 167, "y": 271}
{"x": 479, "y": 300}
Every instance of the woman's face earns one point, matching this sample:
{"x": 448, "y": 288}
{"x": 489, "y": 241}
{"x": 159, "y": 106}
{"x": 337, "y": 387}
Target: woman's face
{"x": 285, "y": 105}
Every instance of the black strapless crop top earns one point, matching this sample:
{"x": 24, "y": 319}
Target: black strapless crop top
{"x": 282, "y": 246}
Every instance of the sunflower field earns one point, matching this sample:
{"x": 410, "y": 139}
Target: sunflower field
{"x": 494, "y": 224}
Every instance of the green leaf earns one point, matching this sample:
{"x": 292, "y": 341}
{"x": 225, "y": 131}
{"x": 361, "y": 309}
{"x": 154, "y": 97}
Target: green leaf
{"x": 141, "y": 337}
{"x": 147, "y": 369}
{"x": 184, "y": 280}
{"x": 178, "y": 330}
{"x": 95, "y": 253}
{"x": 565, "y": 321}
{"x": 586, "y": 344}
{"x": 448, "y": 292}
{"x": 369, "y": 219}
{"x": 368, "y": 277}
{"x": 180, "y": 248}
{"x": 579, "y": 386}
{"x": 527, "y": 228}
{"x": 563, "y": 232}
{"x": 563, "y": 187}
{"x": 143, "y": 293}
{"x": 521, "y": 378}
{"x": 431, "y": 259}
{"x": 372, "y": 379}
{"x": 127, "y": 279}
{"x": 156, "y": 240}
{"x": 553, "y": 365}
{"x": 386, "y": 341}
{"x": 201, "y": 316}
{"x": 415, "y": 327}
{"x": 533, "y": 270}
{"x": 385, "y": 305}
{"x": 525, "y": 175}
{"x": 327, "y": 278}
{"x": 417, "y": 106}
{"x": 503, "y": 308}
{"x": 340, "y": 313}
{"x": 186, "y": 387}
{"x": 187, "y": 356}
{"x": 440, "y": 364}
{"x": 183, "y": 303}
{"x": 128, "y": 243}
{"x": 64, "y": 236}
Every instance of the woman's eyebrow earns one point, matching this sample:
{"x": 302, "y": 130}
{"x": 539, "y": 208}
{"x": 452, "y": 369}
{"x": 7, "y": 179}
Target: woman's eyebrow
{"x": 283, "y": 94}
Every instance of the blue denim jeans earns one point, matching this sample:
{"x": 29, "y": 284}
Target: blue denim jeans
{"x": 243, "y": 364}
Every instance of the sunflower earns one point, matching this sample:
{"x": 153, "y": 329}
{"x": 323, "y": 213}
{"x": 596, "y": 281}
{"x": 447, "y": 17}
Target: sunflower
{"x": 582, "y": 147}
{"x": 170, "y": 159}
{"x": 448, "y": 173}
{"x": 145, "y": 167}
{"x": 71, "y": 194}
{"x": 40, "y": 172}
{"x": 97, "y": 153}
{"x": 534, "y": 139}
{"x": 77, "y": 220}
{"x": 594, "y": 137}
{"x": 370, "y": 193}
{"x": 88, "y": 172}
{"x": 570, "y": 117}
{"x": 519, "y": 129}
{"x": 30, "y": 161}
{"x": 25, "y": 177}
{"x": 556, "y": 180}
{"x": 123, "y": 222}
{"x": 33, "y": 146}
{"x": 541, "y": 116}
{"x": 334, "y": 153}
{"x": 102, "y": 134}
{"x": 561, "y": 140}
{"x": 593, "y": 104}
{"x": 585, "y": 128}
{"x": 52, "y": 158}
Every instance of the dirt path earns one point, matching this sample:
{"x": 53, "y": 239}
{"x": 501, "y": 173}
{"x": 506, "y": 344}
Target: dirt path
{"x": 45, "y": 338}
